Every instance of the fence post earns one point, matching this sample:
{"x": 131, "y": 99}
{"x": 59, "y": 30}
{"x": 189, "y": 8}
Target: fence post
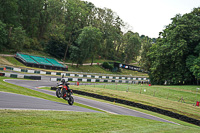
{"x": 127, "y": 89}
{"x": 181, "y": 99}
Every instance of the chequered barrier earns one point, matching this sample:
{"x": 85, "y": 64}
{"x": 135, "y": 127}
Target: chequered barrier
{"x": 82, "y": 76}
{"x": 100, "y": 80}
{"x": 20, "y": 76}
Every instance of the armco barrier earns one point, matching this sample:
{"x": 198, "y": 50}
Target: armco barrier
{"x": 35, "y": 77}
{"x": 20, "y": 76}
{"x": 32, "y": 77}
{"x": 142, "y": 106}
{"x": 114, "y": 77}
{"x": 99, "y": 80}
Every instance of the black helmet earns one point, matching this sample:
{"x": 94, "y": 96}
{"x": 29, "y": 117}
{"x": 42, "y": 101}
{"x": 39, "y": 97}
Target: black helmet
{"x": 63, "y": 80}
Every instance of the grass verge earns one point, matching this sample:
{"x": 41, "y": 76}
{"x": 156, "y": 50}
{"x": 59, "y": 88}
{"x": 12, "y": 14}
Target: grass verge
{"x": 186, "y": 109}
{"x": 189, "y": 93}
{"x": 73, "y": 122}
{"x": 14, "y": 61}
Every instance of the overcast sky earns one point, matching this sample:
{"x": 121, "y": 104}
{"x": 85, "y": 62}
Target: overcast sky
{"x": 147, "y": 17}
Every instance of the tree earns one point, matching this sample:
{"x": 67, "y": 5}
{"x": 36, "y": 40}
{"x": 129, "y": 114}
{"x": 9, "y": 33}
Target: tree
{"x": 146, "y": 45}
{"x": 75, "y": 55}
{"x": 110, "y": 25}
{"x": 89, "y": 42}
{"x": 18, "y": 39}
{"x": 3, "y": 35}
{"x": 132, "y": 46}
{"x": 175, "y": 56}
{"x": 193, "y": 62}
{"x": 55, "y": 46}
{"x": 75, "y": 21}
{"x": 30, "y": 15}
{"x": 9, "y": 13}
{"x": 51, "y": 16}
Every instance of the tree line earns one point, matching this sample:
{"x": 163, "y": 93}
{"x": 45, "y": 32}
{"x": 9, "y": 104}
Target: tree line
{"x": 175, "y": 57}
{"x": 76, "y": 30}
{"x": 67, "y": 29}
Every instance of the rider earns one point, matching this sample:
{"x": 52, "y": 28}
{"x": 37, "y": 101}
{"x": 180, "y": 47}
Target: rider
{"x": 66, "y": 87}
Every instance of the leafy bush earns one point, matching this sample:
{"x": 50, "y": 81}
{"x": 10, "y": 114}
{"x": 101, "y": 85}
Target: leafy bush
{"x": 106, "y": 65}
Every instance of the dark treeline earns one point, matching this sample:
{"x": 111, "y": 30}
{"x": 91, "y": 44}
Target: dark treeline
{"x": 66, "y": 29}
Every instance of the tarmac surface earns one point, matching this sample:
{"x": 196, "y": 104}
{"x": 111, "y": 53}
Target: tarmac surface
{"x": 17, "y": 101}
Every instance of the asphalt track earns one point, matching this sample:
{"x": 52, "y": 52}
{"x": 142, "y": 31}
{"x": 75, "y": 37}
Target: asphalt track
{"x": 17, "y": 101}
{"x": 24, "y": 102}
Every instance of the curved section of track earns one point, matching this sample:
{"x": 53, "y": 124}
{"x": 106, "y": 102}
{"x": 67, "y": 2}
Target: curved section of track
{"x": 100, "y": 105}
{"x": 17, "y": 101}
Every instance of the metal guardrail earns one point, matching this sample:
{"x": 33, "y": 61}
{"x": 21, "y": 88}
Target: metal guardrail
{"x": 81, "y": 75}
{"x": 11, "y": 75}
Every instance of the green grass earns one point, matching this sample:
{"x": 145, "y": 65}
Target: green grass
{"x": 148, "y": 98}
{"x": 100, "y": 61}
{"x": 99, "y": 69}
{"x": 14, "y": 61}
{"x": 3, "y": 61}
{"x": 73, "y": 122}
{"x": 174, "y": 93}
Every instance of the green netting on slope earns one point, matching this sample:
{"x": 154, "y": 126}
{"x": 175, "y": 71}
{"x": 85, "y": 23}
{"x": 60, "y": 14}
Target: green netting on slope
{"x": 41, "y": 60}
{"x": 54, "y": 62}
{"x": 26, "y": 58}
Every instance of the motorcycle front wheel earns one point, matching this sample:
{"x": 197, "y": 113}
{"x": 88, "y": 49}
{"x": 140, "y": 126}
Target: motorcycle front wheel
{"x": 71, "y": 100}
{"x": 58, "y": 93}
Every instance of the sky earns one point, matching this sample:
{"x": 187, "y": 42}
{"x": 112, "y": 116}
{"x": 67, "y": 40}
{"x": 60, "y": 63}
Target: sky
{"x": 147, "y": 17}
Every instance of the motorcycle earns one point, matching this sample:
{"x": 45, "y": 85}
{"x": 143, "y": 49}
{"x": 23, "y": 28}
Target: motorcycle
{"x": 64, "y": 91}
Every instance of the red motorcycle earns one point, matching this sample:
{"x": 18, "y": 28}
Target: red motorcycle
{"x": 64, "y": 91}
